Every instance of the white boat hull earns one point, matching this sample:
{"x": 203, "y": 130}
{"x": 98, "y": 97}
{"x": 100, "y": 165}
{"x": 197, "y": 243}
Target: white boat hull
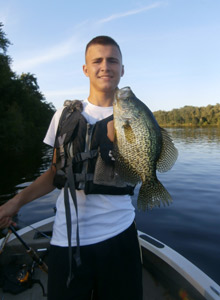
{"x": 166, "y": 274}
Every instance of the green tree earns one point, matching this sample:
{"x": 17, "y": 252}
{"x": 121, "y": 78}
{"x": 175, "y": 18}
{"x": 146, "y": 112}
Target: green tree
{"x": 190, "y": 116}
{"x": 4, "y": 42}
{"x": 24, "y": 114}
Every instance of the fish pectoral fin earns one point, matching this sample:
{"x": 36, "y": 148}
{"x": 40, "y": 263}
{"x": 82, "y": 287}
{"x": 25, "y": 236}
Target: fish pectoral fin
{"x": 169, "y": 153}
{"x": 128, "y": 132}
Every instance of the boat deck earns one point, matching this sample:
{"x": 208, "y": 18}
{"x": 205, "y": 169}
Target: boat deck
{"x": 166, "y": 274}
{"x": 151, "y": 289}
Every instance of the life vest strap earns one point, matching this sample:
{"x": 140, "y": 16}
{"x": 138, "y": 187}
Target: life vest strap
{"x": 79, "y": 177}
{"x": 79, "y": 157}
{"x": 70, "y": 184}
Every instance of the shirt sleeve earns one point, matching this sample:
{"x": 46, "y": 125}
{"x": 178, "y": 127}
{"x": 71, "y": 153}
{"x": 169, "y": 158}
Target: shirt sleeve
{"x": 51, "y": 132}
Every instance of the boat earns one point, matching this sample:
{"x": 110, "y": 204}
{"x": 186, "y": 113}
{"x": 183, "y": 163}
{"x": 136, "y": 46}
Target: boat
{"x": 167, "y": 275}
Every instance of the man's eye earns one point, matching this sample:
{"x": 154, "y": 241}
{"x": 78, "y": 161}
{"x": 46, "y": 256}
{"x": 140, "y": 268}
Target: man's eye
{"x": 113, "y": 61}
{"x": 97, "y": 61}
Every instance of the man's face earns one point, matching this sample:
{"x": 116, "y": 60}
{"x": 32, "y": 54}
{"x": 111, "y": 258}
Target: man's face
{"x": 103, "y": 67}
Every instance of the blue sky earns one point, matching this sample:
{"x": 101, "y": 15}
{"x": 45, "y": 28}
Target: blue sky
{"x": 171, "y": 48}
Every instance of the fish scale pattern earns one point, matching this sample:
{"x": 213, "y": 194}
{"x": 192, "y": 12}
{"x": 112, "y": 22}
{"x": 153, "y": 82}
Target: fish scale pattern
{"x": 138, "y": 146}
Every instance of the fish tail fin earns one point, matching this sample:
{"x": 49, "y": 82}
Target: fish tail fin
{"x": 152, "y": 194}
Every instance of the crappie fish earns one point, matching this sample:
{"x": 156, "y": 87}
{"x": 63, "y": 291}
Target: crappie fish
{"x": 140, "y": 148}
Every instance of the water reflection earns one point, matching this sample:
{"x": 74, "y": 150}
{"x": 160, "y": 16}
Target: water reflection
{"x": 17, "y": 171}
{"x": 194, "y": 134}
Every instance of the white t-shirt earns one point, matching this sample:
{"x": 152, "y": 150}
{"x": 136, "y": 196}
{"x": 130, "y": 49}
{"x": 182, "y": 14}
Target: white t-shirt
{"x": 100, "y": 216}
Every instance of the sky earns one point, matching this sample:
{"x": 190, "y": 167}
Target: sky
{"x": 171, "y": 48}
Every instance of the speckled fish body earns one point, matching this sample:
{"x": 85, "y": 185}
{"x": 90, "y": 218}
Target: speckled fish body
{"x": 140, "y": 148}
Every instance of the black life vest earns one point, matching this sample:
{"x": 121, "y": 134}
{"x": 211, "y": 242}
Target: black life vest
{"x": 87, "y": 148}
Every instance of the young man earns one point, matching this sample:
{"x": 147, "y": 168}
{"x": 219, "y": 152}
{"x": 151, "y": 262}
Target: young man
{"x": 110, "y": 266}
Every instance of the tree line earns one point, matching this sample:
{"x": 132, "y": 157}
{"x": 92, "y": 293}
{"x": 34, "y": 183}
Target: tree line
{"x": 190, "y": 116}
{"x": 24, "y": 113}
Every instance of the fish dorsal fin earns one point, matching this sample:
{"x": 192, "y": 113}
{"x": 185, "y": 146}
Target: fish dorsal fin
{"x": 128, "y": 132}
{"x": 169, "y": 153}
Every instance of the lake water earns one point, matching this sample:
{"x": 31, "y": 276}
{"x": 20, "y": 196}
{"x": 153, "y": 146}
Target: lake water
{"x": 191, "y": 224}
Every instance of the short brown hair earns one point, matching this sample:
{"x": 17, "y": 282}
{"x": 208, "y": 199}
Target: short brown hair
{"x": 103, "y": 40}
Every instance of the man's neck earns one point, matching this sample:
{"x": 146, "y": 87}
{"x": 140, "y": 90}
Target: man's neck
{"x": 101, "y": 99}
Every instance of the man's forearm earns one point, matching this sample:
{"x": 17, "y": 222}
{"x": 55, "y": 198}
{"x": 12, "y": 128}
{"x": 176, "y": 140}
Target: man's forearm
{"x": 40, "y": 187}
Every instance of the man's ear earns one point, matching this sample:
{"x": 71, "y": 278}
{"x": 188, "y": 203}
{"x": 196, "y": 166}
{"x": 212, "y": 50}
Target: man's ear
{"x": 85, "y": 70}
{"x": 122, "y": 71}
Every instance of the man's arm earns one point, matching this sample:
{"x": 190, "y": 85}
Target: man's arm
{"x": 40, "y": 187}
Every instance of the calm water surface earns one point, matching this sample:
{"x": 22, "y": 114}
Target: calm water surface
{"x": 191, "y": 224}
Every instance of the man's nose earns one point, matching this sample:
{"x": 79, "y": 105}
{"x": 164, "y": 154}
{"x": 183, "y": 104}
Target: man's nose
{"x": 105, "y": 65}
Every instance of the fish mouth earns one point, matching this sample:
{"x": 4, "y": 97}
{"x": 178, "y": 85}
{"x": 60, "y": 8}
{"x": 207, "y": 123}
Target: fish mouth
{"x": 123, "y": 93}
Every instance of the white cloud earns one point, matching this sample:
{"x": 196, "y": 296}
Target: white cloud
{"x": 67, "y": 92}
{"x": 129, "y": 13}
{"x": 57, "y": 97}
{"x": 5, "y": 14}
{"x": 8, "y": 15}
{"x": 4, "y": 17}
{"x": 72, "y": 45}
